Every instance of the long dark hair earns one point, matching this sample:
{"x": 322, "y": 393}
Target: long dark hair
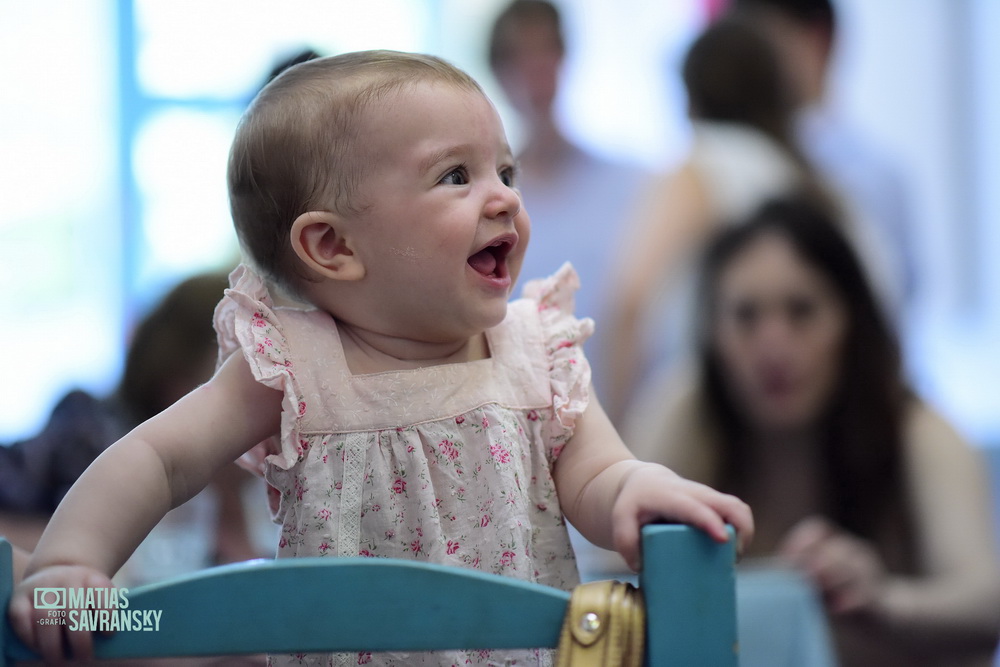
{"x": 863, "y": 473}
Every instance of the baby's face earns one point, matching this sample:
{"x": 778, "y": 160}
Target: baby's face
{"x": 444, "y": 236}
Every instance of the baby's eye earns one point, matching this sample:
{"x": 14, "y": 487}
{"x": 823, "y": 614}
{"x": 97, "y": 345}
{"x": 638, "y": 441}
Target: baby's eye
{"x": 457, "y": 176}
{"x": 507, "y": 176}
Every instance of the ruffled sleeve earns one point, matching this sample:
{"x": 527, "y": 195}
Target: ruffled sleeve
{"x": 564, "y": 336}
{"x": 245, "y": 321}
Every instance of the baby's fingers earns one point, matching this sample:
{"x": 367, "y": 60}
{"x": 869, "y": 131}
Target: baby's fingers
{"x": 49, "y": 643}
{"x": 81, "y": 644}
{"x": 22, "y": 619}
{"x": 31, "y": 627}
{"x": 626, "y": 539}
{"x": 738, "y": 514}
{"x": 705, "y": 508}
{"x": 688, "y": 508}
{"x": 36, "y": 631}
{"x": 45, "y": 630}
{"x": 707, "y": 517}
{"x": 27, "y": 624}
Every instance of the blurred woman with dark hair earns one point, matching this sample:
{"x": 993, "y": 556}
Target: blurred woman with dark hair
{"x": 799, "y": 405}
{"x": 743, "y": 152}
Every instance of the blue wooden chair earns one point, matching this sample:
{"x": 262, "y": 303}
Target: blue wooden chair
{"x": 688, "y": 583}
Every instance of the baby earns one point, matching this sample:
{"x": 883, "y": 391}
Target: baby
{"x": 410, "y": 411}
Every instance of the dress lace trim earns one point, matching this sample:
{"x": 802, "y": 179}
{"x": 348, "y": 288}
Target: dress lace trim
{"x": 349, "y": 534}
{"x": 245, "y": 320}
{"x": 569, "y": 371}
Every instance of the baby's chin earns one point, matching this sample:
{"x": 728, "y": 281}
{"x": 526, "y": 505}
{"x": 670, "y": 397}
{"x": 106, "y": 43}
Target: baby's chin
{"x": 498, "y": 316}
{"x": 469, "y": 329}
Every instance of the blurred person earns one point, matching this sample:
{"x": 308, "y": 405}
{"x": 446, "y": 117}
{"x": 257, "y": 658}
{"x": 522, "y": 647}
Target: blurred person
{"x": 798, "y": 404}
{"x": 743, "y": 152}
{"x": 578, "y": 200}
{"x": 172, "y": 350}
{"x": 805, "y": 34}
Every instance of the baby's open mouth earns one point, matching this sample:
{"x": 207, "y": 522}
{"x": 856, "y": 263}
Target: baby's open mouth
{"x": 492, "y": 260}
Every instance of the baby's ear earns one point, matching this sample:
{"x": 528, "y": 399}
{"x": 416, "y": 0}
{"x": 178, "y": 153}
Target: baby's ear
{"x": 318, "y": 239}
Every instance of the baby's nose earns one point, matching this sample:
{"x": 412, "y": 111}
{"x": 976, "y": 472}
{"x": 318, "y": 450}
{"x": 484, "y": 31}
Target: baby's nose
{"x": 504, "y": 201}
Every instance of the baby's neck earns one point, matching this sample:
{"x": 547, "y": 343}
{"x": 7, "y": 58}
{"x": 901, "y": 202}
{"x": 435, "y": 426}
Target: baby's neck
{"x": 369, "y": 352}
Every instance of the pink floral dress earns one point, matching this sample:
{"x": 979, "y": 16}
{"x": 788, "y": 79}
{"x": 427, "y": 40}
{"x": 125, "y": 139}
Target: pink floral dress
{"x": 450, "y": 464}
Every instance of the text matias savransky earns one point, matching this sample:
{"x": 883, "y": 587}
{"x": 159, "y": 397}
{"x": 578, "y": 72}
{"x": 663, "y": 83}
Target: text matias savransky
{"x": 94, "y": 609}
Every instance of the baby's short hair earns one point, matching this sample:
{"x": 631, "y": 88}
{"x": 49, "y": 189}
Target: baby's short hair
{"x": 299, "y": 147}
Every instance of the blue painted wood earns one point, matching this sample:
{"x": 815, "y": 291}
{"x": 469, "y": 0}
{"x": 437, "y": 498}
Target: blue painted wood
{"x": 343, "y": 604}
{"x": 689, "y": 585}
{"x": 333, "y": 604}
{"x": 6, "y": 588}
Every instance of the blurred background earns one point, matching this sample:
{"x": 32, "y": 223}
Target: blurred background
{"x": 116, "y": 118}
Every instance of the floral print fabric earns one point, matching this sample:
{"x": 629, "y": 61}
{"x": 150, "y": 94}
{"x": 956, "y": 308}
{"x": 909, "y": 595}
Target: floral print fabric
{"x": 450, "y": 464}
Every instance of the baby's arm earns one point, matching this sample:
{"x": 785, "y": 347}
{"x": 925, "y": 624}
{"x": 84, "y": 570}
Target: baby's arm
{"x": 608, "y": 495}
{"x": 132, "y": 485}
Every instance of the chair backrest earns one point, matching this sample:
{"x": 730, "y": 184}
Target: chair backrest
{"x": 688, "y": 583}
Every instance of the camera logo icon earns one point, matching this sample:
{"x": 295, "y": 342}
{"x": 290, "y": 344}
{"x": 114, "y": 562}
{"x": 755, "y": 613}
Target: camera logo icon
{"x": 50, "y": 598}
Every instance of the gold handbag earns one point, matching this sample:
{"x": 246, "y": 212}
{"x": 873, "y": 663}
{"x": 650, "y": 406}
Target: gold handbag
{"x": 605, "y": 626}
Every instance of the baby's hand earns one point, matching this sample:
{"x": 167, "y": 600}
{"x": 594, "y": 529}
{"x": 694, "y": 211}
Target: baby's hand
{"x": 650, "y": 492}
{"x": 34, "y": 626}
